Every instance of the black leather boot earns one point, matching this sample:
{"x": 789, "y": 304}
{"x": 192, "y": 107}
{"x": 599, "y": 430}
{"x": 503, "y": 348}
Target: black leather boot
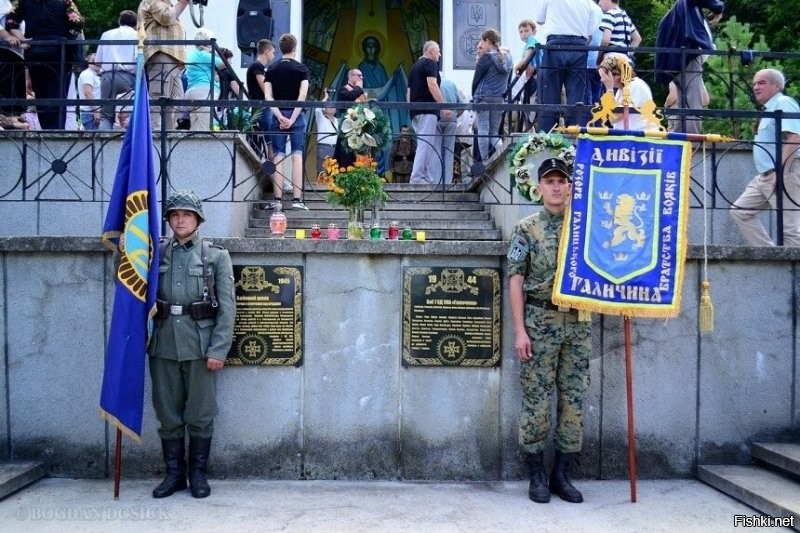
{"x": 198, "y": 463}
{"x": 538, "y": 490}
{"x": 173, "y": 451}
{"x": 559, "y": 479}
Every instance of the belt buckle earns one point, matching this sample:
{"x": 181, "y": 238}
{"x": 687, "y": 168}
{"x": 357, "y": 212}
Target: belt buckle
{"x": 176, "y": 309}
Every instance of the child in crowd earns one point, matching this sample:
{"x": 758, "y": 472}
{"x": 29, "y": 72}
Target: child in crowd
{"x": 529, "y": 64}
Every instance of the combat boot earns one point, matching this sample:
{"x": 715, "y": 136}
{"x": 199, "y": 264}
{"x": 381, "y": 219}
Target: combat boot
{"x": 198, "y": 464}
{"x": 559, "y": 479}
{"x": 538, "y": 490}
{"x": 173, "y": 451}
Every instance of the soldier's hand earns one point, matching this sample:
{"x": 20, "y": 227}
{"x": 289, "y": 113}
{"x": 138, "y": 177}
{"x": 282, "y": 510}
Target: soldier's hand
{"x": 214, "y": 364}
{"x": 121, "y": 244}
{"x": 522, "y": 345}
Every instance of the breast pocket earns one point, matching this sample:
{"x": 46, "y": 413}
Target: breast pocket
{"x": 195, "y": 281}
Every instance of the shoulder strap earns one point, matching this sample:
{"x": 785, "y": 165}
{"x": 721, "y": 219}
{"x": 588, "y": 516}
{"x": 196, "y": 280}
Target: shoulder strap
{"x": 208, "y": 276}
{"x": 162, "y": 247}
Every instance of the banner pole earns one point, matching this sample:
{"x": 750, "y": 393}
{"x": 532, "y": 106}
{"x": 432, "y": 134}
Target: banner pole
{"x": 632, "y": 468}
{"x": 117, "y": 463}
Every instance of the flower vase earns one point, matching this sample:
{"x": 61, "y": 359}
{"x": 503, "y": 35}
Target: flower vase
{"x": 355, "y": 226}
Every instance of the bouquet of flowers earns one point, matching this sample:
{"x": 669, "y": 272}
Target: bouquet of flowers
{"x": 365, "y": 129}
{"x": 522, "y": 162}
{"x": 354, "y": 187}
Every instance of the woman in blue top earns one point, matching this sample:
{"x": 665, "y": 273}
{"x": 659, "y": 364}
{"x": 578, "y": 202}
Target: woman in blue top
{"x": 489, "y": 85}
{"x": 200, "y": 74}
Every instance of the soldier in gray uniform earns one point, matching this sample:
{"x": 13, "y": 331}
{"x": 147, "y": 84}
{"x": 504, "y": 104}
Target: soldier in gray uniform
{"x": 193, "y": 333}
{"x": 552, "y": 346}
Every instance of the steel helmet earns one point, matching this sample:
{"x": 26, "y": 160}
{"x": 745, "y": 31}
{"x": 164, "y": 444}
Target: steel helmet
{"x": 186, "y": 200}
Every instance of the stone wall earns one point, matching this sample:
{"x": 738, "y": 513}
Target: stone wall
{"x": 352, "y": 410}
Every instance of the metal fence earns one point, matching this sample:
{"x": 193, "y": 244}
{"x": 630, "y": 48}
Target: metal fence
{"x": 21, "y": 180}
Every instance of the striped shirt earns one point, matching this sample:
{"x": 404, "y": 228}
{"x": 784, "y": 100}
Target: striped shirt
{"x": 158, "y": 19}
{"x": 621, "y": 26}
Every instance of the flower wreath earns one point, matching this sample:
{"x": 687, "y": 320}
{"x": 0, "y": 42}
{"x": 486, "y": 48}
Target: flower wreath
{"x": 365, "y": 129}
{"x": 522, "y": 164}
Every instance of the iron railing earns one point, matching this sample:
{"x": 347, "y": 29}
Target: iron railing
{"x": 22, "y": 181}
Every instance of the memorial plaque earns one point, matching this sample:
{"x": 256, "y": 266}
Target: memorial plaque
{"x": 269, "y": 319}
{"x": 470, "y": 20}
{"x": 451, "y": 316}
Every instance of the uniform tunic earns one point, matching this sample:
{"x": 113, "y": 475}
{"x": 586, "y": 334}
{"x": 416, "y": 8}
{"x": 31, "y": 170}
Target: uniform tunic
{"x": 184, "y": 390}
{"x": 560, "y": 344}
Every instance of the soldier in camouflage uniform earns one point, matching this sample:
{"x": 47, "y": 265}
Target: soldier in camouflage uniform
{"x": 551, "y": 344}
{"x": 193, "y": 333}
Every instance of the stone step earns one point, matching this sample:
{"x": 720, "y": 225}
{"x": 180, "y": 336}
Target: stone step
{"x": 782, "y": 456}
{"x": 306, "y": 221}
{"x": 411, "y": 211}
{"x": 15, "y": 475}
{"x": 399, "y": 187}
{"x": 768, "y": 492}
{"x": 430, "y": 234}
{"x": 320, "y": 203}
{"x": 384, "y": 216}
{"x": 429, "y": 195}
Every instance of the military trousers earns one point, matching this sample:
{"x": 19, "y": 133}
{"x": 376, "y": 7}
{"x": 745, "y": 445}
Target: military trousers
{"x": 184, "y": 397}
{"x": 561, "y": 347}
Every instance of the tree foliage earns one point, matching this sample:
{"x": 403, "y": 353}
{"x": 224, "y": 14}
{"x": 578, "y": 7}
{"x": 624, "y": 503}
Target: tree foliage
{"x": 102, "y": 15}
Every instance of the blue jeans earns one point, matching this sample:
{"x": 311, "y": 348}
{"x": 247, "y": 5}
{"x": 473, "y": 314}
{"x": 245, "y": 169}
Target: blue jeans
{"x": 488, "y": 123}
{"x": 296, "y": 134}
{"x": 87, "y": 119}
{"x": 562, "y": 68}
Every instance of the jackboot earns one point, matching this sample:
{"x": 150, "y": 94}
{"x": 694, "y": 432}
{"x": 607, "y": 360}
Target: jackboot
{"x": 198, "y": 464}
{"x": 559, "y": 479}
{"x": 538, "y": 490}
{"x": 174, "y": 452}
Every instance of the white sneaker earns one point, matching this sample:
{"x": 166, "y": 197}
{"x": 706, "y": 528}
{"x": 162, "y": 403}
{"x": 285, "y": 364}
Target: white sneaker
{"x": 298, "y": 204}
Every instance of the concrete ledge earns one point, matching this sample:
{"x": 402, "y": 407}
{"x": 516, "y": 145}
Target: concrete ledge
{"x": 23, "y": 244}
{"x": 783, "y": 456}
{"x": 766, "y": 491}
{"x": 14, "y": 476}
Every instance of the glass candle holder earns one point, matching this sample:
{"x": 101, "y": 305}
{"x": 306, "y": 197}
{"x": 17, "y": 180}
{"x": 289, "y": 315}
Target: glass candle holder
{"x": 394, "y": 231}
{"x": 332, "y": 232}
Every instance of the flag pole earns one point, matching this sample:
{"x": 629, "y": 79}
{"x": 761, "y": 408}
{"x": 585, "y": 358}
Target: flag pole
{"x": 626, "y": 75}
{"x": 117, "y": 464}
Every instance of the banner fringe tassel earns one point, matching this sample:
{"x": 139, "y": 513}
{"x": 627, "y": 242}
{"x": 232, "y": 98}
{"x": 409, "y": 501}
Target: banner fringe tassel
{"x": 706, "y": 309}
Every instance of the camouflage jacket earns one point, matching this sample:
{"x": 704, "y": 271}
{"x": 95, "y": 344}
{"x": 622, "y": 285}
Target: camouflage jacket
{"x": 533, "y": 253}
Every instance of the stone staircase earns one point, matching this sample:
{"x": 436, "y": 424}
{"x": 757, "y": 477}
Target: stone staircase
{"x": 454, "y": 213}
{"x": 16, "y": 475}
{"x": 771, "y": 484}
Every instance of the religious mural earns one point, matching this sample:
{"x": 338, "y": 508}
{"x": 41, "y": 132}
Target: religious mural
{"x": 382, "y": 38}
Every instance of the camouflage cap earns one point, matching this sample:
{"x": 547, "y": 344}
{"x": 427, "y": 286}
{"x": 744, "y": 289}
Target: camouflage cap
{"x": 186, "y": 200}
{"x": 554, "y": 164}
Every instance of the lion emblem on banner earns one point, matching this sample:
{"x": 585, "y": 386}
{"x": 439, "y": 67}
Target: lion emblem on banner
{"x": 627, "y": 221}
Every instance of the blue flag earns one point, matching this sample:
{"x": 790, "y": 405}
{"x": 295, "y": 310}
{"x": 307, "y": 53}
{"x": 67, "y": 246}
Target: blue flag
{"x": 132, "y": 213}
{"x": 623, "y": 244}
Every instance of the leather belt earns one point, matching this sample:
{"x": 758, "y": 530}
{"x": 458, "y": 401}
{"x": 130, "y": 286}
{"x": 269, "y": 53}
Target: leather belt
{"x": 178, "y": 309}
{"x": 566, "y": 38}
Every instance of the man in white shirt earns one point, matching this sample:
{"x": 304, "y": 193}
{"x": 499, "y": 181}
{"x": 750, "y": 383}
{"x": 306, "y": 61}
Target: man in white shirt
{"x": 327, "y": 132}
{"x": 89, "y": 89}
{"x": 118, "y": 62}
{"x": 768, "y": 85}
{"x": 569, "y": 23}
